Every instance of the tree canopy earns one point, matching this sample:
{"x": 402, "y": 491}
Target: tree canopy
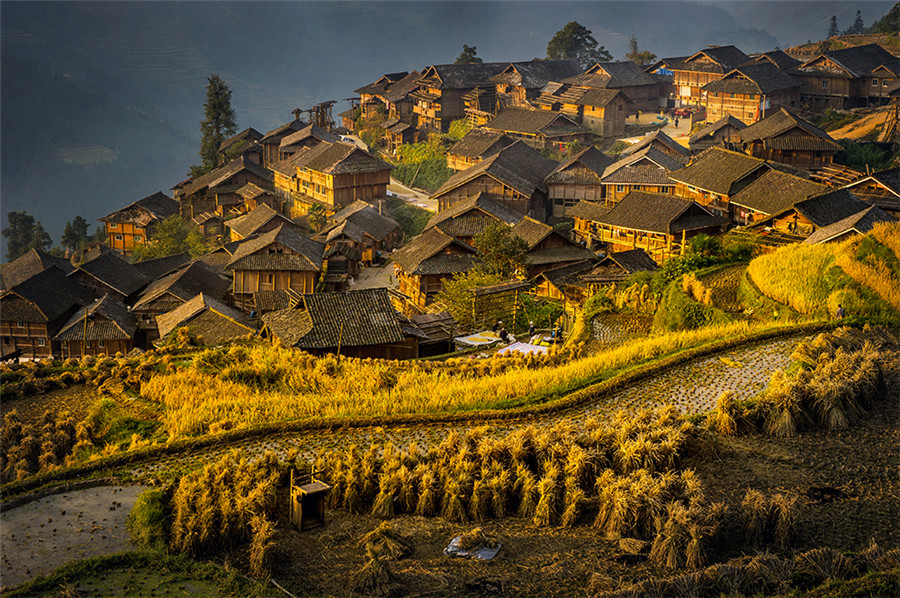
{"x": 858, "y": 26}
{"x": 638, "y": 56}
{"x": 24, "y": 234}
{"x": 467, "y": 56}
{"x": 172, "y": 235}
{"x": 575, "y": 42}
{"x": 75, "y": 234}
{"x": 889, "y": 23}
{"x": 218, "y": 124}
{"x": 833, "y": 27}
{"x": 500, "y": 252}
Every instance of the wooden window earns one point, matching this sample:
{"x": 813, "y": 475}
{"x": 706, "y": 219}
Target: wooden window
{"x": 874, "y": 82}
{"x": 20, "y": 324}
{"x": 138, "y": 238}
{"x": 733, "y": 96}
{"x": 113, "y": 225}
{"x": 270, "y": 278}
{"x": 118, "y": 237}
{"x": 752, "y": 96}
{"x": 101, "y": 343}
{"x": 884, "y": 82}
{"x": 825, "y": 84}
{"x": 41, "y": 342}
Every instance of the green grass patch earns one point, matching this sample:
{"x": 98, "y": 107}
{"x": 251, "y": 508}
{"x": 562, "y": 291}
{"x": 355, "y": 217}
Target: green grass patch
{"x": 412, "y": 218}
{"x": 428, "y": 174}
{"x": 677, "y": 311}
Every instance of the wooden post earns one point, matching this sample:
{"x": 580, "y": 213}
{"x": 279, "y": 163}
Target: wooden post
{"x": 340, "y": 340}
{"x": 683, "y": 240}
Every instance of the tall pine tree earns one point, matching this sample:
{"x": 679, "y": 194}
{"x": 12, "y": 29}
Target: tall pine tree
{"x": 833, "y": 30}
{"x": 218, "y": 124}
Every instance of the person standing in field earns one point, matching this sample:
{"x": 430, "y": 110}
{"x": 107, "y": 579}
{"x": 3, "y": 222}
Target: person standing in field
{"x": 840, "y": 312}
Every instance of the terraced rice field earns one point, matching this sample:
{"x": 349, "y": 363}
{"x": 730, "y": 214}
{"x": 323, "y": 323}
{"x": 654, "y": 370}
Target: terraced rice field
{"x": 724, "y": 285}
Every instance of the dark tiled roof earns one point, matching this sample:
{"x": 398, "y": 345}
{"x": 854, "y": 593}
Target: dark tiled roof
{"x": 598, "y": 97}
{"x": 344, "y": 213}
{"x": 534, "y": 122}
{"x": 341, "y": 229}
{"x": 531, "y": 231}
{"x": 184, "y": 284}
{"x": 107, "y": 319}
{"x": 649, "y": 166}
{"x": 518, "y": 166}
{"x": 255, "y": 219}
{"x": 658, "y": 213}
{"x": 725, "y": 58}
{"x": 249, "y": 135}
{"x": 329, "y": 320}
{"x": 587, "y": 210}
{"x": 219, "y": 175}
{"x": 567, "y": 274}
{"x": 658, "y": 136}
{"x": 436, "y": 326}
{"x": 205, "y": 217}
{"x": 830, "y": 207}
{"x": 338, "y": 158}
{"x": 115, "y": 273}
{"x": 158, "y": 206}
{"x": 402, "y": 88}
{"x": 477, "y": 142}
{"x": 462, "y": 76}
{"x": 478, "y": 210}
{"x": 266, "y": 301}
{"x": 754, "y": 78}
{"x": 861, "y": 222}
{"x": 633, "y": 260}
{"x": 226, "y": 324}
{"x": 161, "y": 266}
{"x": 557, "y": 255}
{"x": 421, "y": 256}
{"x": 307, "y": 132}
{"x": 252, "y": 255}
{"x": 378, "y": 226}
{"x": 889, "y": 178}
{"x": 782, "y": 122}
{"x": 612, "y": 75}
{"x": 779, "y": 58}
{"x": 719, "y": 124}
{"x": 775, "y": 191}
{"x": 276, "y": 134}
{"x": 858, "y": 60}
{"x": 381, "y": 84}
{"x": 537, "y": 73}
{"x": 718, "y": 170}
{"x": 584, "y": 168}
{"x": 51, "y": 292}
{"x": 27, "y": 265}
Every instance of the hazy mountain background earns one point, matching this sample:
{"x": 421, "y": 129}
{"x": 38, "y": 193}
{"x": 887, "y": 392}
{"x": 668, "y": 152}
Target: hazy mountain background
{"x": 100, "y": 102}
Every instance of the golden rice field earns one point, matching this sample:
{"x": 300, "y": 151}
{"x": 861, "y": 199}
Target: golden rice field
{"x": 793, "y": 275}
{"x": 84, "y": 155}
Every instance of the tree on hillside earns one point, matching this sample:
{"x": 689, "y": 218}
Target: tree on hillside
{"x": 575, "y": 42}
{"x": 637, "y": 56}
{"x": 858, "y": 26}
{"x": 833, "y": 30}
{"x": 218, "y": 124}
{"x": 75, "y": 234}
{"x": 467, "y": 56}
{"x": 172, "y": 235}
{"x": 889, "y": 23}
{"x": 24, "y": 234}
{"x": 500, "y": 252}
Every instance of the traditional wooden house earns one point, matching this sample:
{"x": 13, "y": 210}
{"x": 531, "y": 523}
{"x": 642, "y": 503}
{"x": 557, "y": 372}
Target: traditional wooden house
{"x": 563, "y": 285}
{"x": 480, "y": 105}
{"x": 514, "y": 176}
{"x": 716, "y": 133}
{"x": 209, "y": 322}
{"x": 438, "y": 100}
{"x": 786, "y": 138}
{"x": 365, "y": 230}
{"x": 271, "y": 141}
{"x": 105, "y": 327}
{"x": 253, "y": 195}
{"x": 342, "y": 255}
{"x": 617, "y": 267}
{"x": 217, "y": 191}
{"x": 540, "y": 129}
{"x": 133, "y": 225}
{"x": 109, "y": 273}
{"x": 778, "y": 58}
{"x": 30, "y": 263}
{"x": 659, "y": 140}
{"x": 371, "y": 96}
{"x": 397, "y": 98}
{"x": 470, "y": 217}
{"x": 880, "y": 189}
{"x": 162, "y": 266}
{"x": 715, "y": 176}
{"x": 584, "y": 214}
{"x": 362, "y": 324}
{"x": 851, "y": 226}
{"x": 398, "y": 133}
{"x": 261, "y": 219}
{"x": 751, "y": 92}
{"x": 647, "y": 170}
{"x": 169, "y": 292}
{"x": 643, "y": 90}
{"x": 304, "y": 139}
{"x": 217, "y": 259}
{"x": 706, "y": 66}
{"x": 521, "y": 82}
{"x": 810, "y": 215}
{"x": 279, "y": 259}
{"x": 32, "y": 312}
{"x": 246, "y": 142}
{"x": 475, "y": 146}
{"x": 440, "y": 329}
{"x": 603, "y": 111}
{"x": 422, "y": 265}
{"x": 210, "y": 225}
{"x": 577, "y": 179}
{"x": 547, "y": 248}
{"x": 333, "y": 175}
{"x": 659, "y": 224}
{"x": 849, "y": 78}
{"x": 771, "y": 193}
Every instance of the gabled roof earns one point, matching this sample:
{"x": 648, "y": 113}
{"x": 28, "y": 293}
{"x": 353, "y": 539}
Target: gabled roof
{"x": 328, "y": 320}
{"x": 658, "y": 213}
{"x": 119, "y": 324}
{"x": 160, "y": 266}
{"x": 255, "y": 219}
{"x": 774, "y": 192}
{"x": 889, "y": 179}
{"x": 531, "y": 231}
{"x": 584, "y": 168}
{"x": 724, "y": 59}
{"x": 648, "y": 166}
{"x": 402, "y": 88}
{"x": 587, "y": 210}
{"x": 633, "y": 260}
{"x": 51, "y": 292}
{"x": 718, "y": 170}
{"x": 307, "y": 132}
{"x": 337, "y": 158}
{"x": 461, "y": 76}
{"x": 779, "y": 58}
{"x": 27, "y": 265}
{"x": 275, "y": 135}
{"x": 158, "y": 206}
{"x": 534, "y": 122}
{"x": 250, "y": 254}
{"x": 459, "y": 219}
{"x": 861, "y": 222}
{"x": 537, "y": 73}
{"x": 830, "y": 207}
{"x": 249, "y": 135}
{"x": 219, "y": 175}
{"x": 234, "y": 324}
{"x": 115, "y": 273}
{"x": 477, "y": 142}
{"x": 612, "y": 75}
{"x": 345, "y": 228}
{"x": 755, "y": 78}
{"x": 660, "y": 137}
{"x": 711, "y": 129}
{"x": 771, "y": 130}
{"x": 517, "y": 166}
{"x": 422, "y": 255}
{"x": 857, "y": 61}
{"x": 187, "y": 282}
{"x": 381, "y": 84}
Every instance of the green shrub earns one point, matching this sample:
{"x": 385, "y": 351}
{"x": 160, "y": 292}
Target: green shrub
{"x": 677, "y": 311}
{"x": 148, "y": 522}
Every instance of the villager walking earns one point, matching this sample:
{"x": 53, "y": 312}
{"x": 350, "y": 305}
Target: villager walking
{"x": 840, "y": 312}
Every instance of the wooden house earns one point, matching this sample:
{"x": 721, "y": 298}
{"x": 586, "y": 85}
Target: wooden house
{"x": 158, "y": 267}
{"x": 470, "y": 217}
{"x": 514, "y": 176}
{"x": 105, "y": 327}
{"x": 603, "y": 111}
{"x": 438, "y": 99}
{"x": 382, "y": 233}
{"x": 371, "y": 96}
{"x": 716, "y": 133}
{"x": 547, "y": 248}
{"x": 643, "y": 90}
{"x": 271, "y": 141}
{"x": 252, "y": 195}
{"x": 616, "y": 267}
{"x": 397, "y": 100}
{"x": 880, "y": 189}
{"x": 706, "y": 66}
{"x": 261, "y": 219}
{"x": 786, "y": 138}
{"x": 169, "y": 292}
{"x": 422, "y": 265}
{"x": 577, "y": 179}
{"x": 584, "y": 214}
{"x": 32, "y": 312}
{"x": 342, "y": 254}
{"x": 109, "y": 273}
{"x": 659, "y": 224}
{"x": 480, "y": 105}
{"x": 849, "y": 78}
{"x": 771, "y": 193}
{"x": 564, "y": 285}
{"x": 279, "y": 259}
{"x": 209, "y": 322}
{"x": 133, "y": 225}
{"x": 217, "y": 259}
{"x": 246, "y": 142}
{"x": 521, "y": 82}
{"x": 806, "y": 217}
{"x": 398, "y": 133}
{"x": 715, "y": 176}
{"x": 364, "y": 231}
{"x": 306, "y": 138}
{"x": 851, "y": 226}
{"x": 217, "y": 190}
{"x": 647, "y": 170}
{"x": 778, "y": 58}
{"x": 751, "y": 92}
{"x": 440, "y": 329}
{"x": 475, "y": 146}
{"x": 210, "y": 225}
{"x": 540, "y": 129}
{"x": 30, "y": 263}
{"x": 659, "y": 140}
{"x": 333, "y": 175}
